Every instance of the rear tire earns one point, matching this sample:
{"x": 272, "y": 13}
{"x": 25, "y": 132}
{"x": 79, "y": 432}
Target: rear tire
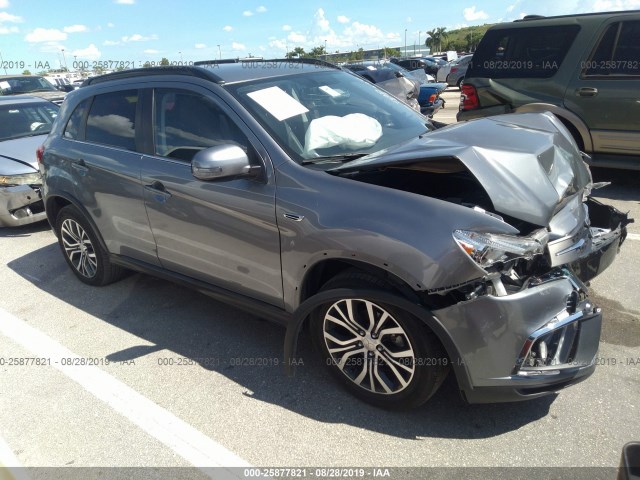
{"x": 82, "y": 249}
{"x": 378, "y": 352}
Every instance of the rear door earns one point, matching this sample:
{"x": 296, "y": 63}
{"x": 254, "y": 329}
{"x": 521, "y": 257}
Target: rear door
{"x": 100, "y": 154}
{"x": 223, "y": 232}
{"x": 605, "y": 91}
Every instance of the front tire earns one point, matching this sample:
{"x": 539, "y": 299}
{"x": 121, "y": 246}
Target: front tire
{"x": 82, "y": 249}
{"x": 379, "y": 353}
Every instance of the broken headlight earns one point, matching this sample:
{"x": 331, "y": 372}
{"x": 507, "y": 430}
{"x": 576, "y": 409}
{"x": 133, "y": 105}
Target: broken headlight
{"x": 487, "y": 249}
{"x": 24, "y": 179}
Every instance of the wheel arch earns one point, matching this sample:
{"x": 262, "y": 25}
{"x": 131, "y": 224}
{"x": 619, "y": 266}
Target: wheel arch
{"x": 573, "y": 122}
{"x": 402, "y": 297}
{"x": 55, "y": 203}
{"x": 324, "y": 270}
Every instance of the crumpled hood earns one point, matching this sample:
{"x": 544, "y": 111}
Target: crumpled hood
{"x": 528, "y": 163}
{"x": 23, "y": 149}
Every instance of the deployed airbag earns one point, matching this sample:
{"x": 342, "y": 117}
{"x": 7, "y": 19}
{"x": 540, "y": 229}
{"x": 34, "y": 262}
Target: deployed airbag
{"x": 352, "y": 131}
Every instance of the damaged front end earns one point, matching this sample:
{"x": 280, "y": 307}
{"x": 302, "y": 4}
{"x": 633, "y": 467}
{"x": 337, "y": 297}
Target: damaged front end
{"x": 524, "y": 327}
{"x": 20, "y": 204}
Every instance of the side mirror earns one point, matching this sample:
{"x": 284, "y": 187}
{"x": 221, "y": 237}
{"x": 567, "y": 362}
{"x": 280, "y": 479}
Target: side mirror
{"x": 221, "y": 161}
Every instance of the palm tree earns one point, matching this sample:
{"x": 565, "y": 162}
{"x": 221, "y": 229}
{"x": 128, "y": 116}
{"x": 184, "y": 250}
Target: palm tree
{"x": 441, "y": 34}
{"x": 432, "y": 38}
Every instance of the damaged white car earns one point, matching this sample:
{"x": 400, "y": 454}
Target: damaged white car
{"x": 24, "y": 123}
{"x": 308, "y": 196}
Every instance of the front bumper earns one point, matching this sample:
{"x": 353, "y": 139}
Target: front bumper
{"x": 21, "y": 205}
{"x": 500, "y": 340}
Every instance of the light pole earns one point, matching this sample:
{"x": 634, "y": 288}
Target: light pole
{"x": 405, "y": 43}
{"x": 219, "y": 53}
{"x": 65, "y": 60}
{"x": 325, "y": 49}
{"x": 419, "y": 44}
{"x": 180, "y": 53}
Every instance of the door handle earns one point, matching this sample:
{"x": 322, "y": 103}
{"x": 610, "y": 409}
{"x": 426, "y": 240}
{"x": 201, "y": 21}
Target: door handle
{"x": 158, "y": 190}
{"x": 587, "y": 92}
{"x": 80, "y": 166}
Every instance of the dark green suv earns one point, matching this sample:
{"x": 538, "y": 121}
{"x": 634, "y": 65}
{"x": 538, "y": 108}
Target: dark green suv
{"x": 583, "y": 68}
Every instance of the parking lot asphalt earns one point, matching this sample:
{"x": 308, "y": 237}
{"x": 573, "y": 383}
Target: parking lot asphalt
{"x": 167, "y": 377}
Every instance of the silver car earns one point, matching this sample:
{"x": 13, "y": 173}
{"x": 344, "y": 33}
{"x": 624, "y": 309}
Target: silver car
{"x": 310, "y": 197}
{"x": 24, "y": 124}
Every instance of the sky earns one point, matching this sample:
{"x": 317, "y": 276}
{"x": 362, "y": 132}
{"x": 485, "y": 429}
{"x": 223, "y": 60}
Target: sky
{"x": 41, "y": 34}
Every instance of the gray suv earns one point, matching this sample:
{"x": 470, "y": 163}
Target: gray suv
{"x": 310, "y": 197}
{"x": 583, "y": 68}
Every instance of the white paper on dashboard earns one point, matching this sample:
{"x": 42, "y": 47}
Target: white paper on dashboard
{"x": 5, "y": 85}
{"x": 278, "y": 102}
{"x": 329, "y": 91}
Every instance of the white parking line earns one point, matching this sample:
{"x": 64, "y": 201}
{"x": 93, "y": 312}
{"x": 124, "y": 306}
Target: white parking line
{"x": 633, "y": 236}
{"x": 191, "y": 444}
{"x": 10, "y": 468}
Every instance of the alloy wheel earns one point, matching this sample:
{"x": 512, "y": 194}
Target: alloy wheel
{"x": 368, "y": 345}
{"x": 78, "y": 248}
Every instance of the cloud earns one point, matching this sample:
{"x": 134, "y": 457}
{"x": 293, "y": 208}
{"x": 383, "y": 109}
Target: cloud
{"x": 321, "y": 21}
{"x": 247, "y": 13}
{"x": 151, "y": 51}
{"x": 8, "y": 30}
{"x": 286, "y": 28}
{"x": 45, "y": 35}
{"x": 51, "y": 47}
{"x": 604, "y": 5}
{"x": 296, "y": 37}
{"x": 408, "y": 20}
{"x": 365, "y": 33}
{"x": 7, "y": 17}
{"x": 90, "y": 53}
{"x": 342, "y": 19}
{"x": 136, "y": 37}
{"x": 110, "y": 25}
{"x": 471, "y": 15}
{"x": 111, "y": 43}
{"x": 261, "y": 9}
{"x": 125, "y": 2}
{"x": 512, "y": 7}
{"x": 75, "y": 29}
{"x": 278, "y": 44}
{"x": 227, "y": 28}
{"x": 4, "y": 3}
{"x": 200, "y": 45}
{"x": 238, "y": 46}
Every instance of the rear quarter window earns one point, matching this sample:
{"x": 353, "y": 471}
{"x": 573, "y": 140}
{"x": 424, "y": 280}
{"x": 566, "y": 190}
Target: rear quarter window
{"x": 524, "y": 52}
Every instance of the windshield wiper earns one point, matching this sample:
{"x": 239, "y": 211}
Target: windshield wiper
{"x": 344, "y": 157}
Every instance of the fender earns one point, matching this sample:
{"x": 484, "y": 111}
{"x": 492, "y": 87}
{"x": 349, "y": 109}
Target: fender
{"x": 416, "y": 309}
{"x": 565, "y": 114}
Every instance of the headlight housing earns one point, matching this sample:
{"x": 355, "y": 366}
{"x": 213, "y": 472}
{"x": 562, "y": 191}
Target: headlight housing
{"x": 487, "y": 249}
{"x": 24, "y": 179}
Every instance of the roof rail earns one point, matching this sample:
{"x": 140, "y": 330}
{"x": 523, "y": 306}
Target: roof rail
{"x": 150, "y": 71}
{"x": 530, "y": 17}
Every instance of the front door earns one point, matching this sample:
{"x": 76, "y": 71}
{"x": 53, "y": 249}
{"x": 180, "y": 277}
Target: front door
{"x": 224, "y": 231}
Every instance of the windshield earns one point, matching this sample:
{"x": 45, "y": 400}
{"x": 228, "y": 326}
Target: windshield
{"x": 26, "y": 120}
{"x": 328, "y": 114}
{"x": 14, "y": 85}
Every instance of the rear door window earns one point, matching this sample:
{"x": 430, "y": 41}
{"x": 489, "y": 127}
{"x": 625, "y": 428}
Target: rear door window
{"x": 618, "y": 52}
{"x": 526, "y": 52}
{"x": 112, "y": 119}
